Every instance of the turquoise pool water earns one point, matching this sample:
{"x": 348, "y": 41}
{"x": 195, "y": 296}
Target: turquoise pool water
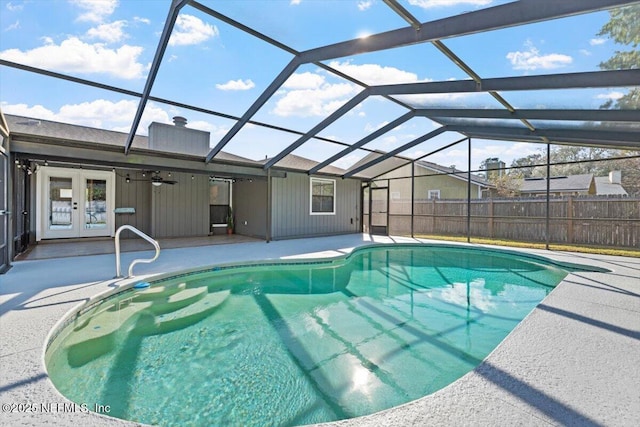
{"x": 296, "y": 343}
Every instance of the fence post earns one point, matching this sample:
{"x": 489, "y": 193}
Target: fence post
{"x": 491, "y": 217}
{"x": 433, "y": 215}
{"x": 570, "y": 219}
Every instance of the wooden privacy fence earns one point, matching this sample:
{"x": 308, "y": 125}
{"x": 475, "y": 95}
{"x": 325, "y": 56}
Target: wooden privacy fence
{"x": 592, "y": 221}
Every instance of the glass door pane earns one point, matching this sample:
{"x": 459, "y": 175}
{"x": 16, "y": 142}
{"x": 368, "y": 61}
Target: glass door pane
{"x": 61, "y": 205}
{"x": 219, "y": 203}
{"x": 95, "y": 204}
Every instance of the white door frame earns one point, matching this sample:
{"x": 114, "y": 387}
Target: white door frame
{"x": 79, "y": 213}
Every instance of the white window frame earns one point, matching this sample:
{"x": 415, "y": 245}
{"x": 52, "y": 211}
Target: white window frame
{"x": 312, "y": 180}
{"x": 431, "y": 193}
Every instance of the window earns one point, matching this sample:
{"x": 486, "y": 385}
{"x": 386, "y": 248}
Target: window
{"x": 434, "y": 194}
{"x": 323, "y": 196}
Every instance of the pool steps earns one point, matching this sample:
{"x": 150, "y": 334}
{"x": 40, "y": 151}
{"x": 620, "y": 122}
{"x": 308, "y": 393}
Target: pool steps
{"x": 153, "y": 311}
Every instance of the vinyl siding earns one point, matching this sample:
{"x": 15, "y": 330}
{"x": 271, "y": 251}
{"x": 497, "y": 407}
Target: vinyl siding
{"x": 291, "y": 216}
{"x": 250, "y": 205}
{"x": 181, "y": 210}
{"x": 134, "y": 194}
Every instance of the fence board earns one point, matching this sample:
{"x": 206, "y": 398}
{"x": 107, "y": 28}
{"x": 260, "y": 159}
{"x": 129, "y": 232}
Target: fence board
{"x": 589, "y": 221}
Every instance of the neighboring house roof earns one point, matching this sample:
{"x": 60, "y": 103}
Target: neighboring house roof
{"x": 604, "y": 187}
{"x": 475, "y": 179}
{"x": 558, "y": 184}
{"x": 294, "y": 162}
{"x": 392, "y": 163}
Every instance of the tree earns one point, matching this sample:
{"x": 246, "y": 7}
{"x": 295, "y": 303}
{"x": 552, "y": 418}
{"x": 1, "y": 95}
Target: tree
{"x": 624, "y": 29}
{"x": 534, "y": 165}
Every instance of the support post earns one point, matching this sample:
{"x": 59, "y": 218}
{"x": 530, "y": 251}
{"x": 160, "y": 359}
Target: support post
{"x": 469, "y": 191}
{"x": 548, "y": 204}
{"x": 413, "y": 195}
{"x": 269, "y": 203}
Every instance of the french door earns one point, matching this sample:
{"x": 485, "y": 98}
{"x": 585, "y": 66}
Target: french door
{"x": 75, "y": 203}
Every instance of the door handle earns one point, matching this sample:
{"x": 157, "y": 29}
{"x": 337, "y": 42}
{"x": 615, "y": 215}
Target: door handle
{"x": 3, "y": 212}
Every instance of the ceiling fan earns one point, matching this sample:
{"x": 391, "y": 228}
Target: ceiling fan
{"x": 157, "y": 180}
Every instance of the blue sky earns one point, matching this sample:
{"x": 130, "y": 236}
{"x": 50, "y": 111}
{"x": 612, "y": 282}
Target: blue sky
{"x": 213, "y": 65}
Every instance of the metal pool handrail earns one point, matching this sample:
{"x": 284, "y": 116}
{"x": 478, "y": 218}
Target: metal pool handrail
{"x": 145, "y": 237}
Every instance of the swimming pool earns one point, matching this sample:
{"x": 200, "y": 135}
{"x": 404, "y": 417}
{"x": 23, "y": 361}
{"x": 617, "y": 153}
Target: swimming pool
{"x": 295, "y": 342}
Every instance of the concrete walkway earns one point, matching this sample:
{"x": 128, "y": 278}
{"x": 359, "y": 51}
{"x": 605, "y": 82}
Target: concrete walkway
{"x": 575, "y": 360}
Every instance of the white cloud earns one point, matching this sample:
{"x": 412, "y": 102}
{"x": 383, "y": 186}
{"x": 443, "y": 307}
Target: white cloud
{"x": 13, "y": 26}
{"x": 14, "y": 7}
{"x": 597, "y": 42}
{"x": 74, "y": 55}
{"x": 371, "y": 128}
{"x": 364, "y": 5}
{"x": 190, "y": 30}
{"x": 295, "y": 2}
{"x": 110, "y": 33}
{"x": 585, "y": 52}
{"x": 428, "y": 4}
{"x": 98, "y": 113}
{"x": 531, "y": 59}
{"x": 142, "y": 20}
{"x": 305, "y": 80}
{"x": 374, "y": 74}
{"x": 318, "y": 101}
{"x": 215, "y": 132}
{"x": 95, "y": 10}
{"x": 236, "y": 85}
{"x": 610, "y": 96}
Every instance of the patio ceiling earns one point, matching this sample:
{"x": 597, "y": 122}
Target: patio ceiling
{"x": 496, "y": 118}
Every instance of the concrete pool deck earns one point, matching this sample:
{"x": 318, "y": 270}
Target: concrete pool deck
{"x": 575, "y": 360}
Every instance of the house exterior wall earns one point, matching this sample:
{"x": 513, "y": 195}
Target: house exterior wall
{"x": 291, "y": 208}
{"x": 450, "y": 187}
{"x": 250, "y": 206}
{"x": 181, "y": 210}
{"x": 133, "y": 194}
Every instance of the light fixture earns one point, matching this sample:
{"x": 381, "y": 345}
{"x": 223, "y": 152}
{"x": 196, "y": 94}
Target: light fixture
{"x": 144, "y": 174}
{"x": 156, "y": 183}
{"x": 46, "y": 163}
{"x": 169, "y": 175}
{"x": 127, "y": 179}
{"x": 193, "y": 177}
